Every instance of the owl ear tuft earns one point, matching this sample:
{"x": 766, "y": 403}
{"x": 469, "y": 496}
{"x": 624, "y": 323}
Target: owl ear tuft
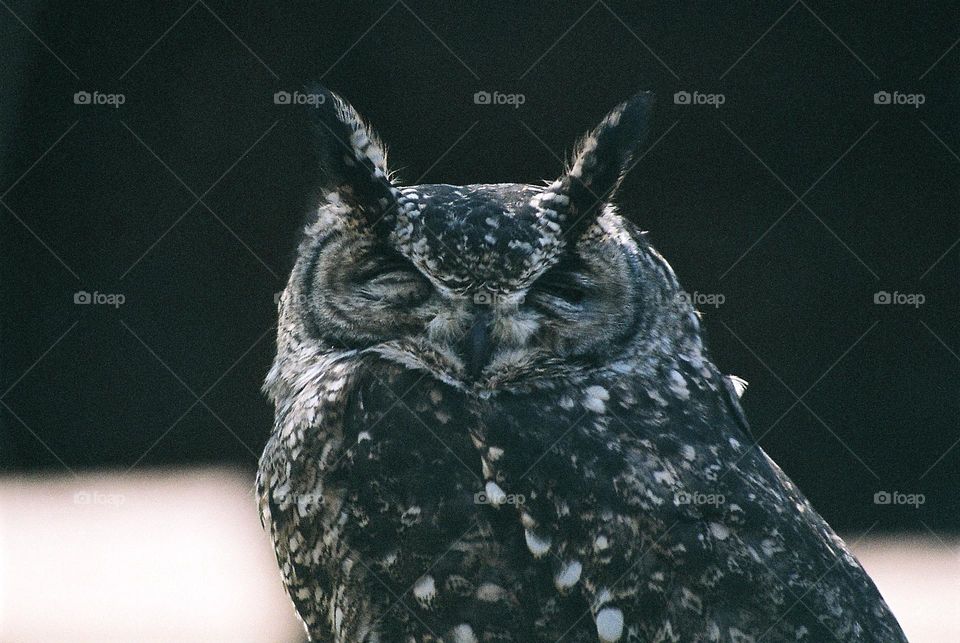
{"x": 597, "y": 167}
{"x": 352, "y": 159}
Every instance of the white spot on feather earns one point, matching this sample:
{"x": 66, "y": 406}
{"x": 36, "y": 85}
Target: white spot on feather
{"x": 425, "y": 589}
{"x": 486, "y": 468}
{"x": 568, "y": 575}
{"x": 609, "y": 625}
{"x": 595, "y": 398}
{"x": 537, "y": 546}
{"x": 719, "y": 531}
{"x": 678, "y": 385}
{"x": 463, "y": 633}
{"x": 495, "y": 494}
{"x": 739, "y": 384}
{"x": 664, "y": 477}
{"x": 490, "y": 593}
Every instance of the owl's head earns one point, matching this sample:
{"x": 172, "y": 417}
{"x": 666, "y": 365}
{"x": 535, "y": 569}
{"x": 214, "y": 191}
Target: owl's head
{"x": 485, "y": 287}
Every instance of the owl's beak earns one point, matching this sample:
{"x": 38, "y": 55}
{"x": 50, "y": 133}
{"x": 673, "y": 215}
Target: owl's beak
{"x": 476, "y": 348}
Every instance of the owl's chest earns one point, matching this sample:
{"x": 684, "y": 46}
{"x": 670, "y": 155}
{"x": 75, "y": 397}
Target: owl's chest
{"x": 415, "y": 450}
{"x": 406, "y": 424}
{"x": 407, "y": 466}
{"x": 403, "y": 434}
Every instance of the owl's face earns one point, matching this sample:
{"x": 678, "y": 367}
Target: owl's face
{"x": 480, "y": 286}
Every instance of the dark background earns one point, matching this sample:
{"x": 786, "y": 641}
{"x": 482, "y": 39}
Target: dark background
{"x": 103, "y": 199}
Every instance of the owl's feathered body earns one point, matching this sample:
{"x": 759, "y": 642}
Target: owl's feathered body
{"x": 496, "y": 420}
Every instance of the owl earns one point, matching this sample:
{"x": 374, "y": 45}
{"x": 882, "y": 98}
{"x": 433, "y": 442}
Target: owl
{"x": 497, "y": 420}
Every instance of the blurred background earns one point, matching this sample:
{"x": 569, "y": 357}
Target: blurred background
{"x": 801, "y": 177}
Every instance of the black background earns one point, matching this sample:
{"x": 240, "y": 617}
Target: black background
{"x": 91, "y": 386}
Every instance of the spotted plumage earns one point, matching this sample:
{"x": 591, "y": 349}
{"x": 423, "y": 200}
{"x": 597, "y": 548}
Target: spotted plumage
{"x": 496, "y": 420}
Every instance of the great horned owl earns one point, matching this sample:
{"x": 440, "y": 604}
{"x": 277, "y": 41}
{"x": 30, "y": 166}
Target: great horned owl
{"x": 496, "y": 420}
